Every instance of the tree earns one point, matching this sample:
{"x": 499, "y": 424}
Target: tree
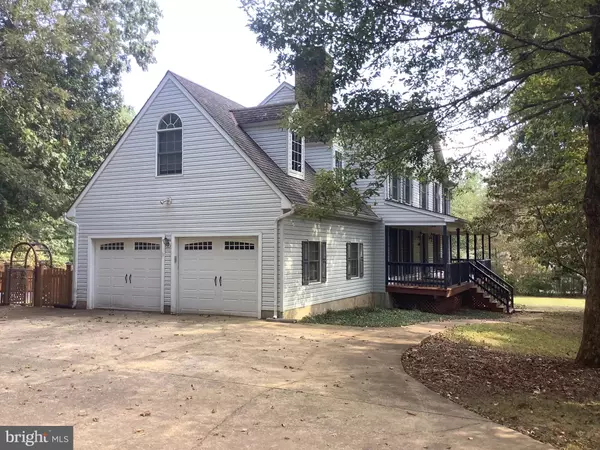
{"x": 536, "y": 195}
{"x": 469, "y": 198}
{"x": 61, "y": 63}
{"x": 445, "y": 66}
{"x": 532, "y": 204}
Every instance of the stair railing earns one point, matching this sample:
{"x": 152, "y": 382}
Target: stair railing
{"x": 493, "y": 285}
{"x": 495, "y": 276}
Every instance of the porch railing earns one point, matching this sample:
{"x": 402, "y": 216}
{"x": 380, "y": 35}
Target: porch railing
{"x": 416, "y": 274}
{"x": 427, "y": 274}
{"x": 439, "y": 275}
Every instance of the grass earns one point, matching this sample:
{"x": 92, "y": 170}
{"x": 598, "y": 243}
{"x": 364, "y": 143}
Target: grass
{"x": 552, "y": 334}
{"x": 549, "y": 303}
{"x": 556, "y": 418}
{"x": 567, "y": 425}
{"x": 379, "y": 317}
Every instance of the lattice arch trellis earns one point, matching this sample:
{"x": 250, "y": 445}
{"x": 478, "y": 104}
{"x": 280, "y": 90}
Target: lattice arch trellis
{"x": 30, "y": 278}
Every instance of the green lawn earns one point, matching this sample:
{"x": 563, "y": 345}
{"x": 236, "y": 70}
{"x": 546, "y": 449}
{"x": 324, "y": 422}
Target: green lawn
{"x": 379, "y": 317}
{"x": 561, "y": 407}
{"x": 551, "y": 334}
{"x": 549, "y": 303}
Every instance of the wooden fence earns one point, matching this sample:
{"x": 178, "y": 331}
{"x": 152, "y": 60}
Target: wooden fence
{"x": 39, "y": 286}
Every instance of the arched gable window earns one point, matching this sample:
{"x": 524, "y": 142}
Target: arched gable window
{"x": 170, "y": 139}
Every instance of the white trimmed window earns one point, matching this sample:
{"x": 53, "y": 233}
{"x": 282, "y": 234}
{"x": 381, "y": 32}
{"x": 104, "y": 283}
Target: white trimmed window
{"x": 314, "y": 262}
{"x": 400, "y": 189}
{"x": 169, "y": 143}
{"x": 437, "y": 198}
{"x": 296, "y": 155}
{"x": 355, "y": 261}
{"x": 424, "y": 195}
{"x": 338, "y": 159}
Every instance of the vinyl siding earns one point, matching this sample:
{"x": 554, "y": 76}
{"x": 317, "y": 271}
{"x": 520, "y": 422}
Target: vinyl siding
{"x": 272, "y": 139}
{"x": 285, "y": 95}
{"x": 394, "y": 213}
{"x": 379, "y": 257}
{"x": 218, "y": 193}
{"x": 336, "y": 234}
{"x": 391, "y": 214}
{"x": 319, "y": 156}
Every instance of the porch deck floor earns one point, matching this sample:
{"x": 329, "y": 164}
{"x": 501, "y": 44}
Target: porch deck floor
{"x": 450, "y": 291}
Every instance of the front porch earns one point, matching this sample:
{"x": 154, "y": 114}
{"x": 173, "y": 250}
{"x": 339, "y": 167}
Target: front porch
{"x": 441, "y": 262}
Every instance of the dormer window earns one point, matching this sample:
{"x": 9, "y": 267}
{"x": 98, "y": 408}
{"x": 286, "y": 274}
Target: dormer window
{"x": 296, "y": 155}
{"x": 170, "y": 139}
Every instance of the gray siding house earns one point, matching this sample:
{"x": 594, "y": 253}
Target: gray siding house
{"x": 194, "y": 212}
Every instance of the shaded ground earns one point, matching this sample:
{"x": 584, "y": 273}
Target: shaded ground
{"x": 549, "y": 303}
{"x": 521, "y": 374}
{"x": 379, "y": 317}
{"x": 151, "y": 381}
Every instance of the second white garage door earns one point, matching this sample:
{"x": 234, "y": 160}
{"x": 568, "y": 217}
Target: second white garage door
{"x": 218, "y": 276}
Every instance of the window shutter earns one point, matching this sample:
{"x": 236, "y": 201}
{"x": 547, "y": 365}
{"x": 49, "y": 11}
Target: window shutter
{"x": 323, "y": 262}
{"x": 348, "y": 274}
{"x": 304, "y": 262}
{"x": 361, "y": 261}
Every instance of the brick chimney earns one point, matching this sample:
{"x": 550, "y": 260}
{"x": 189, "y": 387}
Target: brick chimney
{"x": 314, "y": 78}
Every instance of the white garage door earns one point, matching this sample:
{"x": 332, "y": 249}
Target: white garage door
{"x": 218, "y": 276}
{"x": 128, "y": 274}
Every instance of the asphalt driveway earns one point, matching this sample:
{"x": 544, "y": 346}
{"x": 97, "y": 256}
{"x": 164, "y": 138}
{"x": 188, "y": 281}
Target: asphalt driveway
{"x": 151, "y": 381}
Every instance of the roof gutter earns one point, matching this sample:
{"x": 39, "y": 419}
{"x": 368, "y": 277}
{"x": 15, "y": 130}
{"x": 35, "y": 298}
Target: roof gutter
{"x": 278, "y": 252}
{"x": 75, "y": 259}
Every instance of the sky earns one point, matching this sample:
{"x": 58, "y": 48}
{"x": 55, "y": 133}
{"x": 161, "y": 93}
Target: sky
{"x": 208, "y": 42}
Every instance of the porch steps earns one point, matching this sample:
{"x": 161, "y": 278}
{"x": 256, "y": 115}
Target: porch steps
{"x": 483, "y": 300}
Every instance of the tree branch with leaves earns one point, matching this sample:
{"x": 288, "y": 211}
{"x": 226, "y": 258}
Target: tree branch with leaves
{"x": 442, "y": 63}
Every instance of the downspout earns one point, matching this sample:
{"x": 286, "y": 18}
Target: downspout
{"x": 278, "y": 252}
{"x": 75, "y": 259}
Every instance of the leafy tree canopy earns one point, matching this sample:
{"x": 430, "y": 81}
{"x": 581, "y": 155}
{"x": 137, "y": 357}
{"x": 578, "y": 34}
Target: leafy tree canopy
{"x": 61, "y": 63}
{"x": 469, "y": 199}
{"x": 408, "y": 74}
{"x": 536, "y": 194}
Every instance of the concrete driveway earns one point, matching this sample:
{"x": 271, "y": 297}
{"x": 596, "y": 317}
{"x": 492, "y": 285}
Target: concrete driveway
{"x": 135, "y": 380}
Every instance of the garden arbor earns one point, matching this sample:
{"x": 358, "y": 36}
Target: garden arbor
{"x": 30, "y": 279}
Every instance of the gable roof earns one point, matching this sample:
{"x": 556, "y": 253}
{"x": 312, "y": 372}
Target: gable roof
{"x": 266, "y": 113}
{"x": 219, "y": 109}
{"x": 284, "y": 85}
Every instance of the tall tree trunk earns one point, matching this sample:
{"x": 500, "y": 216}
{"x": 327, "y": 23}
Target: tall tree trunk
{"x": 589, "y": 351}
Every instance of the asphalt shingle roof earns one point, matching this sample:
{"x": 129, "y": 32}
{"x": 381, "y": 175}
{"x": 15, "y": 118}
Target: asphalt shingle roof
{"x": 224, "y": 111}
{"x": 266, "y": 113}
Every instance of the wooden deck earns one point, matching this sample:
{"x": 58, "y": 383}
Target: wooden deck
{"x": 450, "y": 291}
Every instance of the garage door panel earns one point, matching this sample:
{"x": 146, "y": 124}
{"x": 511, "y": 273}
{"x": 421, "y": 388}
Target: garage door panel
{"x": 234, "y": 261}
{"x": 128, "y": 274}
{"x": 197, "y": 290}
